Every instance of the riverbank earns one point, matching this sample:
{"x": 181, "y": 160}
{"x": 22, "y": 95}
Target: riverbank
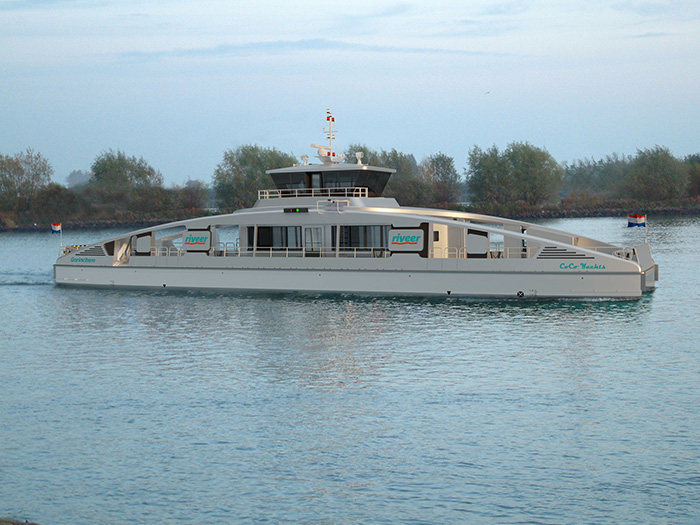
{"x": 576, "y": 209}
{"x": 565, "y": 210}
{"x": 609, "y": 212}
{"x": 10, "y": 521}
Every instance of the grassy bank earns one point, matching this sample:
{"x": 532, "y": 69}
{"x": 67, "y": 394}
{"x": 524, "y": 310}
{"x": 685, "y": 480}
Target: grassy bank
{"x": 571, "y": 208}
{"x": 567, "y": 208}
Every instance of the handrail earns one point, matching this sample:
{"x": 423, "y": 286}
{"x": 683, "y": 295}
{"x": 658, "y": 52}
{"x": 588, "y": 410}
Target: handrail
{"x": 278, "y": 193}
{"x": 331, "y": 206}
{"x": 69, "y": 248}
{"x": 323, "y": 251}
{"x": 166, "y": 251}
{"x": 627, "y": 252}
{"x": 495, "y": 251}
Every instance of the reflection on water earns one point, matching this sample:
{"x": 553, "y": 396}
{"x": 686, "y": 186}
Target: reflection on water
{"x": 184, "y": 406}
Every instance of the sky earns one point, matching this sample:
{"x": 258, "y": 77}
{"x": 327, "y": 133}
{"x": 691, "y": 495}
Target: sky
{"x": 180, "y": 82}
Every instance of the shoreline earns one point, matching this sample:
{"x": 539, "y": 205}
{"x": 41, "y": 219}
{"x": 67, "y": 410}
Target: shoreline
{"x": 541, "y": 214}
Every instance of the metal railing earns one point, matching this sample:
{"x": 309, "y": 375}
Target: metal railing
{"x": 628, "y": 253}
{"x": 231, "y": 249}
{"x": 165, "y": 251}
{"x": 313, "y": 192}
{"x": 320, "y": 251}
{"x": 71, "y": 248}
{"x": 496, "y": 251}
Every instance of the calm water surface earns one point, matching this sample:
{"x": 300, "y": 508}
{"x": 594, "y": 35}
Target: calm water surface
{"x": 220, "y": 408}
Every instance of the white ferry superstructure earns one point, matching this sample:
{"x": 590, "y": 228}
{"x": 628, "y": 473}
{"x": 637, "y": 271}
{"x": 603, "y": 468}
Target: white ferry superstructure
{"x": 325, "y": 228}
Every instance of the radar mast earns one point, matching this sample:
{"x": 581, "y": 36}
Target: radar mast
{"x": 326, "y": 153}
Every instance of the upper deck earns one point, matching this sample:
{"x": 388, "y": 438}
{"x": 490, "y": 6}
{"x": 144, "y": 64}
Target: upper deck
{"x": 329, "y": 180}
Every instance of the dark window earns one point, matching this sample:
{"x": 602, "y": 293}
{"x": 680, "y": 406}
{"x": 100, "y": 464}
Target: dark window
{"x": 276, "y": 237}
{"x": 361, "y": 236}
{"x": 314, "y": 180}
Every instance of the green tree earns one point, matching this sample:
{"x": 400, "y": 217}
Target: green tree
{"x": 56, "y": 203}
{"x": 537, "y": 175}
{"x": 370, "y": 156}
{"x": 78, "y": 178}
{"x": 193, "y": 196}
{"x": 489, "y": 179}
{"x": 150, "y": 200}
{"x": 442, "y": 181}
{"x": 241, "y": 174}
{"x": 522, "y": 172}
{"x": 21, "y": 177}
{"x": 580, "y": 177}
{"x": 122, "y": 182}
{"x": 406, "y": 185}
{"x": 606, "y": 178}
{"x": 655, "y": 174}
{"x": 693, "y": 166}
{"x": 115, "y": 169}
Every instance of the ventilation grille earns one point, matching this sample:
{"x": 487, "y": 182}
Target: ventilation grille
{"x": 553, "y": 252}
{"x": 93, "y": 251}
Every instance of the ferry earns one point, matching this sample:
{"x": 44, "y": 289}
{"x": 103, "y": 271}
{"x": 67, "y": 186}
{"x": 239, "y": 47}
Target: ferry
{"x": 326, "y": 228}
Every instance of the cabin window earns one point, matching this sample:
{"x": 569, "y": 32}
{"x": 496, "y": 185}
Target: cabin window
{"x": 330, "y": 180}
{"x": 477, "y": 244}
{"x": 313, "y": 240}
{"x": 346, "y": 180}
{"x": 276, "y": 237}
{"x": 361, "y": 236}
{"x": 372, "y": 180}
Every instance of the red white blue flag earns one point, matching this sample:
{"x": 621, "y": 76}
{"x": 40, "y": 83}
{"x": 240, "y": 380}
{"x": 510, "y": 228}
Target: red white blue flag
{"x": 636, "y": 220}
{"x": 55, "y": 227}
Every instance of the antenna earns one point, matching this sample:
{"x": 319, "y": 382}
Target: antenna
{"x": 358, "y": 156}
{"x": 329, "y": 132}
{"x": 326, "y": 153}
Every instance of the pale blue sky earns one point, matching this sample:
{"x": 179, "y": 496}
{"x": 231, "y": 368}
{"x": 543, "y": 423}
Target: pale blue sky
{"x": 179, "y": 82}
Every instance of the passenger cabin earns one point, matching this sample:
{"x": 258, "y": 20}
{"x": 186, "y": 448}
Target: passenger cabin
{"x": 332, "y": 180}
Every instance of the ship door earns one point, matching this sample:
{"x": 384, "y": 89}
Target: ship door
{"x": 312, "y": 241}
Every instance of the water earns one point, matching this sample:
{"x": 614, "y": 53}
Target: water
{"x": 219, "y": 408}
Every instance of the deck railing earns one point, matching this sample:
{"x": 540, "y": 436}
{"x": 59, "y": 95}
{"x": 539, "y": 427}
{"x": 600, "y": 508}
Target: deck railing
{"x": 313, "y": 192}
{"x": 231, "y": 249}
{"x": 496, "y": 251}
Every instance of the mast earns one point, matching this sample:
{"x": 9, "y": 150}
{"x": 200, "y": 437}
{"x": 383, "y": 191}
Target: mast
{"x": 329, "y": 132}
{"x": 326, "y": 153}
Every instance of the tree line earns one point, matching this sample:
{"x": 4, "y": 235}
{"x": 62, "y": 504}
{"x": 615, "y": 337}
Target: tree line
{"x": 521, "y": 178}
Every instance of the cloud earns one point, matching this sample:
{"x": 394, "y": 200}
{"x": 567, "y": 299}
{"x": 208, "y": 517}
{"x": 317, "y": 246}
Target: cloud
{"x": 678, "y": 9}
{"x": 387, "y": 12}
{"x": 651, "y": 35}
{"x": 505, "y": 8}
{"x": 15, "y": 5}
{"x": 481, "y": 28}
{"x": 281, "y": 47}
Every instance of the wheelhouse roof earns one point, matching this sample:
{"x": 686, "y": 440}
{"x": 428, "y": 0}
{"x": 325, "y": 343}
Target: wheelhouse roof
{"x": 332, "y": 175}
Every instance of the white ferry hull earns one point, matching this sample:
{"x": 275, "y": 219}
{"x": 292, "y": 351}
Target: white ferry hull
{"x": 376, "y": 282}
